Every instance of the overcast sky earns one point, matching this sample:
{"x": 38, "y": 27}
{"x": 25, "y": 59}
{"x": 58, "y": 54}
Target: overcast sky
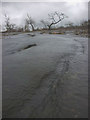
{"x": 76, "y": 11}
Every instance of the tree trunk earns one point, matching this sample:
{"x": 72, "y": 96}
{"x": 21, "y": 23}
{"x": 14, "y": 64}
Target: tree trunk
{"x": 32, "y": 27}
{"x": 49, "y": 27}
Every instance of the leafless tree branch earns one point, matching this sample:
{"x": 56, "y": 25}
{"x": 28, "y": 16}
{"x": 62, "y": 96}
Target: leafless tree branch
{"x": 55, "y": 18}
{"x": 29, "y": 21}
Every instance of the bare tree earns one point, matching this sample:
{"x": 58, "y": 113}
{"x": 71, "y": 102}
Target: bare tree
{"x": 8, "y": 25}
{"x": 29, "y": 22}
{"x": 26, "y": 26}
{"x": 44, "y": 23}
{"x": 55, "y": 18}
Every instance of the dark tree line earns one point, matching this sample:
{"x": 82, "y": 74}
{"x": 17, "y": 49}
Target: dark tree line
{"x": 53, "y": 19}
